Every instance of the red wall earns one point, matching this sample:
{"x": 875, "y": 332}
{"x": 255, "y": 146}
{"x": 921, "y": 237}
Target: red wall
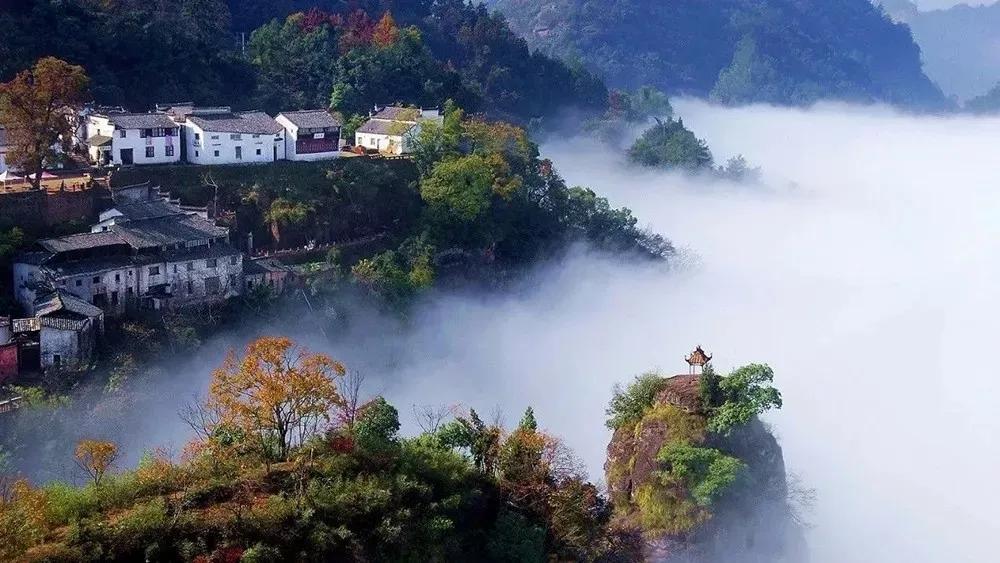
{"x": 8, "y": 362}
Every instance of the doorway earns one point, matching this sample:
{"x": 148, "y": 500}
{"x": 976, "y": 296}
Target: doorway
{"x": 126, "y": 157}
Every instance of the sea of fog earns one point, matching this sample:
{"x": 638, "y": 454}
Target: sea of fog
{"x": 863, "y": 269}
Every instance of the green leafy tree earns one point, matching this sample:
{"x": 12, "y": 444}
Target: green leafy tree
{"x": 377, "y": 426}
{"x": 746, "y": 393}
{"x": 461, "y": 186}
{"x": 628, "y": 405}
{"x": 669, "y": 144}
{"x": 516, "y": 539}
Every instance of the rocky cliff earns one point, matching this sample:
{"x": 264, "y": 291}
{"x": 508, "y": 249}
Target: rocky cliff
{"x": 698, "y": 496}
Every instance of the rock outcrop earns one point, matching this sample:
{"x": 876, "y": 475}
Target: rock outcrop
{"x": 749, "y": 522}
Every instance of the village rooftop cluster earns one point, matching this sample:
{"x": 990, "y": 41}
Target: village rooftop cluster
{"x": 148, "y": 252}
{"x": 183, "y": 132}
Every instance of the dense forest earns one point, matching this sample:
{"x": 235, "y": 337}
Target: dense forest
{"x": 735, "y": 51}
{"x": 140, "y": 53}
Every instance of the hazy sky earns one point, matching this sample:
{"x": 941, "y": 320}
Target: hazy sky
{"x": 935, "y": 4}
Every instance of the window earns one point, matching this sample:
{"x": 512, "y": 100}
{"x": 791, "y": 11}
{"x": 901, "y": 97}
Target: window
{"x": 239, "y": 153}
{"x": 175, "y": 268}
{"x": 256, "y": 136}
{"x": 236, "y": 137}
{"x": 196, "y": 153}
{"x": 190, "y": 266}
{"x": 258, "y": 152}
{"x": 122, "y": 133}
{"x": 170, "y": 132}
{"x": 150, "y": 152}
{"x": 158, "y": 132}
{"x": 118, "y": 277}
{"x": 215, "y": 137}
{"x": 212, "y": 285}
{"x": 233, "y": 260}
{"x": 97, "y": 279}
{"x": 154, "y": 270}
{"x": 79, "y": 283}
{"x": 56, "y": 360}
{"x": 114, "y": 297}
{"x": 170, "y": 150}
{"x": 216, "y": 153}
{"x": 197, "y": 136}
{"x": 128, "y": 293}
{"x": 210, "y": 263}
{"x": 190, "y": 287}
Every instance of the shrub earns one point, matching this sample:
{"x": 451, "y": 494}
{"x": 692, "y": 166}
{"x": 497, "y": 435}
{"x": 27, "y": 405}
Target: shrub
{"x": 706, "y": 473}
{"x": 628, "y": 405}
{"x": 262, "y": 553}
{"x": 667, "y": 510}
{"x": 514, "y": 538}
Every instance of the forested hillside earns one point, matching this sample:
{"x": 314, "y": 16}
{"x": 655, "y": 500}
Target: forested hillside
{"x": 961, "y": 45}
{"x": 245, "y": 54}
{"x": 736, "y": 51}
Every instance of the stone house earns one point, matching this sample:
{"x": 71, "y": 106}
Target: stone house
{"x": 267, "y": 272}
{"x": 310, "y": 134}
{"x": 140, "y": 255}
{"x": 68, "y": 329}
{"x": 392, "y": 129}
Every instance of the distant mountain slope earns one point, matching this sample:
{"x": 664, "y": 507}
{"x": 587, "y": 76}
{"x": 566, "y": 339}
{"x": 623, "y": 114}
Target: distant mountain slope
{"x": 961, "y": 45}
{"x": 736, "y": 51}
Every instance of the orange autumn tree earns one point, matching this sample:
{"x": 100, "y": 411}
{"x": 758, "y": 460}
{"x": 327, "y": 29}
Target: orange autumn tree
{"x": 278, "y": 393}
{"x": 96, "y": 457}
{"x": 386, "y": 32}
{"x": 35, "y": 109}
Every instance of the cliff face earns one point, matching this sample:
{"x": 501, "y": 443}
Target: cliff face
{"x": 747, "y": 520}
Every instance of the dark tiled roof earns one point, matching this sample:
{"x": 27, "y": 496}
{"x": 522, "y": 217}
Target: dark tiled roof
{"x": 217, "y": 250}
{"x": 396, "y": 113}
{"x": 141, "y": 120}
{"x": 311, "y": 119}
{"x": 148, "y": 233}
{"x": 60, "y": 300}
{"x": 147, "y": 210}
{"x": 99, "y": 140}
{"x": 251, "y": 122}
{"x": 380, "y": 127}
{"x": 88, "y": 266}
{"x": 81, "y": 241}
{"x": 264, "y": 265}
{"x": 36, "y": 258}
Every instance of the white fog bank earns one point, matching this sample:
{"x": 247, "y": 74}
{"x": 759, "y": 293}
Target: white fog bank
{"x": 865, "y": 273}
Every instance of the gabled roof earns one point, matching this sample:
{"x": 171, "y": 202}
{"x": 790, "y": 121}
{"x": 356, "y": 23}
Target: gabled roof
{"x": 396, "y": 113}
{"x": 99, "y": 141}
{"x": 165, "y": 231}
{"x": 251, "y": 122}
{"x": 260, "y": 266}
{"x": 140, "y": 120}
{"x": 381, "y": 127}
{"x": 60, "y": 300}
{"x": 311, "y": 119}
{"x": 139, "y": 210}
{"x": 81, "y": 241}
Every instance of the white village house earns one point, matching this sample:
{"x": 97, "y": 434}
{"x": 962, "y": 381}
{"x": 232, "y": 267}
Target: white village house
{"x": 3, "y": 150}
{"x": 310, "y": 135}
{"x": 131, "y": 138}
{"x": 222, "y": 136}
{"x": 391, "y": 129}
